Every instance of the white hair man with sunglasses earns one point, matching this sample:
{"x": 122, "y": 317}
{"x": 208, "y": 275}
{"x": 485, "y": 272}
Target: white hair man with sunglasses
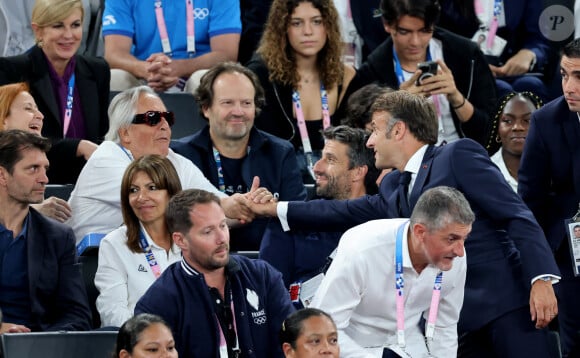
{"x": 139, "y": 125}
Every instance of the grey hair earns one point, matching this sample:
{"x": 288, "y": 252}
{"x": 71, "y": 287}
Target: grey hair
{"x": 441, "y": 206}
{"x": 123, "y": 108}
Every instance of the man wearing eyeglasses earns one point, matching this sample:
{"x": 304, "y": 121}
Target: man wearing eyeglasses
{"x": 230, "y": 151}
{"x": 139, "y": 125}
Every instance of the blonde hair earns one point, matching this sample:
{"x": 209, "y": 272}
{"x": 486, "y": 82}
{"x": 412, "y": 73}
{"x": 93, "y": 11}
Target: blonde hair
{"x": 278, "y": 54}
{"x": 7, "y": 95}
{"x": 48, "y": 12}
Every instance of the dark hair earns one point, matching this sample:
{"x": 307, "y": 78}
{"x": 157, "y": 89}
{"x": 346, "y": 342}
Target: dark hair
{"x": 416, "y": 111}
{"x": 15, "y": 141}
{"x": 278, "y": 55}
{"x": 293, "y": 324}
{"x": 358, "y": 153}
{"x": 427, "y": 10}
{"x": 492, "y": 144}
{"x": 130, "y": 332}
{"x": 162, "y": 174}
{"x": 177, "y": 213}
{"x": 572, "y": 49}
{"x": 441, "y": 206}
{"x": 204, "y": 93}
{"x": 359, "y": 104}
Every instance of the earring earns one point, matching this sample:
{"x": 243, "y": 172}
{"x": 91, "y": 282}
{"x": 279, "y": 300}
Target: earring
{"x": 497, "y": 139}
{"x": 40, "y": 43}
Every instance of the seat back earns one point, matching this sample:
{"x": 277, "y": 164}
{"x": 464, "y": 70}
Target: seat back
{"x": 89, "y": 266}
{"x": 61, "y": 191}
{"x": 93, "y": 344}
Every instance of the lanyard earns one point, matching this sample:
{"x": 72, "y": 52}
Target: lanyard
{"x": 69, "y": 104}
{"x": 220, "y": 170}
{"x": 126, "y": 152}
{"x": 149, "y": 255}
{"x": 401, "y": 79}
{"x": 223, "y": 342}
{"x": 400, "y": 284}
{"x": 163, "y": 28}
{"x": 300, "y": 116}
{"x": 480, "y": 11}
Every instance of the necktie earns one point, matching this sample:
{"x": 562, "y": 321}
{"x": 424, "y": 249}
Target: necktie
{"x": 404, "y": 180}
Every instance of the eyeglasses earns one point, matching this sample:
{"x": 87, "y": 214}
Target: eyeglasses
{"x": 153, "y": 118}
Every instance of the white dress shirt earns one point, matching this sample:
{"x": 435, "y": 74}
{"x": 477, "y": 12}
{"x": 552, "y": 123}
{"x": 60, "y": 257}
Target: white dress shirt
{"x": 359, "y": 291}
{"x": 123, "y": 276}
{"x": 96, "y": 198}
{"x": 497, "y": 159}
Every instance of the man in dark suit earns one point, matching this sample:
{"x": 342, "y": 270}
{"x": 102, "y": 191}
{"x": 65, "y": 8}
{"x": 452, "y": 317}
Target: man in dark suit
{"x": 549, "y": 182}
{"x": 509, "y": 270}
{"x": 41, "y": 288}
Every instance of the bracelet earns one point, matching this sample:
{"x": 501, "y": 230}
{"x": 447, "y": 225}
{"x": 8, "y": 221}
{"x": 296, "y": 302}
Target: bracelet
{"x": 461, "y": 105}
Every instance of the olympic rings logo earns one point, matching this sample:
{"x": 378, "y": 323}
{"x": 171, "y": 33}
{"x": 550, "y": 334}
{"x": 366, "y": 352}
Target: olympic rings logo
{"x": 260, "y": 320}
{"x": 200, "y": 13}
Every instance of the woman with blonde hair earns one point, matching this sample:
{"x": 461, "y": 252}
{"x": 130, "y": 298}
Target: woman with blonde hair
{"x": 71, "y": 90}
{"x": 133, "y": 256}
{"x": 299, "y": 66}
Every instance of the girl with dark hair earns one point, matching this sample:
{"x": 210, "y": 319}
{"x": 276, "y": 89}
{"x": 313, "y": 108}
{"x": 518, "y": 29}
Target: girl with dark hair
{"x": 299, "y": 66}
{"x": 133, "y": 256}
{"x": 508, "y": 133}
{"x": 309, "y": 332}
{"x": 145, "y": 336}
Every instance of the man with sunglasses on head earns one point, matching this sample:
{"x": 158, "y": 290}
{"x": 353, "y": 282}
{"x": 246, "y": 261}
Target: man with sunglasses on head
{"x": 230, "y": 151}
{"x": 139, "y": 125}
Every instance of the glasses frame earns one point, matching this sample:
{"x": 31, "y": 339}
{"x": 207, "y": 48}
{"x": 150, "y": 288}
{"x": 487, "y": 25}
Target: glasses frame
{"x": 152, "y": 118}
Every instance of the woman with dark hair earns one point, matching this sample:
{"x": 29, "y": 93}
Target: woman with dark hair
{"x": 299, "y": 66}
{"x": 508, "y": 133}
{"x": 309, "y": 332}
{"x": 133, "y": 256}
{"x": 145, "y": 336}
{"x": 72, "y": 90}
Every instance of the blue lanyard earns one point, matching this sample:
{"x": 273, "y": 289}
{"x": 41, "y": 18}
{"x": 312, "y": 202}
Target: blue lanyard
{"x": 69, "y": 104}
{"x": 220, "y": 170}
{"x": 149, "y": 255}
{"x": 125, "y": 151}
{"x": 399, "y": 69}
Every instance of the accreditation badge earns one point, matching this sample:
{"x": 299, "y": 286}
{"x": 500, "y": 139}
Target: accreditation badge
{"x": 573, "y": 232}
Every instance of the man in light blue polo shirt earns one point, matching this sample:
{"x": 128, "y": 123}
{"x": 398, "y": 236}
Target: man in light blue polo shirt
{"x": 162, "y": 43}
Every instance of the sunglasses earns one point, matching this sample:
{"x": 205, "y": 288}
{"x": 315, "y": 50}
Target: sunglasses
{"x": 152, "y": 118}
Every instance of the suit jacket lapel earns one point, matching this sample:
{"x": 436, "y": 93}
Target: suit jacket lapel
{"x": 87, "y": 87}
{"x": 40, "y": 81}
{"x": 421, "y": 176}
{"x": 571, "y": 128}
{"x": 35, "y": 251}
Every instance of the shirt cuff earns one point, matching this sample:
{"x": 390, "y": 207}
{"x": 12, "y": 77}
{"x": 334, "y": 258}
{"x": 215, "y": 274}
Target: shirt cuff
{"x": 282, "y": 211}
{"x": 555, "y": 279}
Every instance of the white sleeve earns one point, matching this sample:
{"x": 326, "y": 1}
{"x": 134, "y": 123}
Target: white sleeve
{"x": 340, "y": 293}
{"x": 111, "y": 281}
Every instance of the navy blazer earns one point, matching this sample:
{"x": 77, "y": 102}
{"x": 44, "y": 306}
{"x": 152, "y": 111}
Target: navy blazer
{"x": 505, "y": 249}
{"x": 57, "y": 292}
{"x": 549, "y": 175}
{"x": 92, "y": 78}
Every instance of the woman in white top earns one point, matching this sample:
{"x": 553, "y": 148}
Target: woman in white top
{"x": 509, "y": 131}
{"x": 134, "y": 255}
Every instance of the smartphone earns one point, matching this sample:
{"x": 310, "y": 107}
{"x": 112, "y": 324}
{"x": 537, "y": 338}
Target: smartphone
{"x": 429, "y": 69}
